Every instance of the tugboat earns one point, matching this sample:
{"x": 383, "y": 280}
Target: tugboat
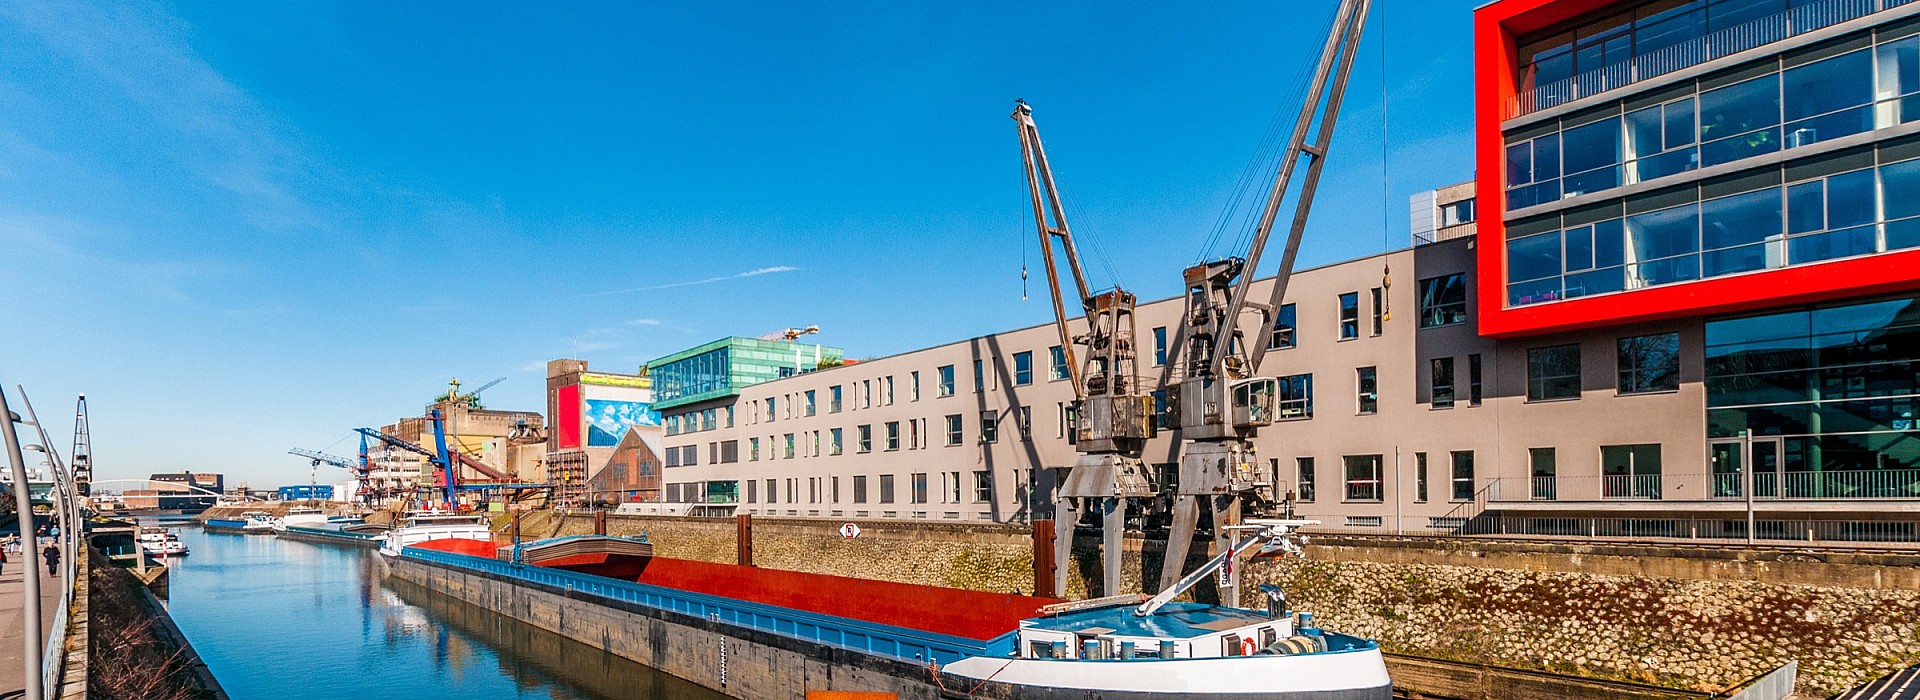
{"x": 1138, "y": 648}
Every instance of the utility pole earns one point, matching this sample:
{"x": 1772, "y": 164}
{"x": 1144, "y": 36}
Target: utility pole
{"x": 31, "y": 639}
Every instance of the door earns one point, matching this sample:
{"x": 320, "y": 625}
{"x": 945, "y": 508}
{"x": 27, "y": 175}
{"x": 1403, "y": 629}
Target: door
{"x": 1729, "y": 457}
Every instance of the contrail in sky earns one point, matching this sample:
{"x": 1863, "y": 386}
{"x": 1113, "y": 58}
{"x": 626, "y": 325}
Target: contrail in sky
{"x": 710, "y": 280}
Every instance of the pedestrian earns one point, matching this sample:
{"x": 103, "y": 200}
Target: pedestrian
{"x": 52, "y": 555}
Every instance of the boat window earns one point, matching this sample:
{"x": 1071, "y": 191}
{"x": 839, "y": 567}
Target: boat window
{"x": 1040, "y": 649}
{"x": 1268, "y": 637}
{"x": 1230, "y": 645}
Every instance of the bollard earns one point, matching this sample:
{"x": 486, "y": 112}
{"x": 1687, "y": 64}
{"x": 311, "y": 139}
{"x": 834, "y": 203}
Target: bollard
{"x": 599, "y": 522}
{"x": 743, "y": 539}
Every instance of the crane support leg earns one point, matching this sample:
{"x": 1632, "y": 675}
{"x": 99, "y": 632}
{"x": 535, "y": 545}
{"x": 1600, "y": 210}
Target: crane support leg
{"x": 1186, "y": 518}
{"x": 1066, "y": 521}
{"x": 1226, "y": 514}
{"x": 1112, "y": 528}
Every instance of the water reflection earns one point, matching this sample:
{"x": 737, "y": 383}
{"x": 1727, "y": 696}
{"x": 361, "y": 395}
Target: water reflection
{"x": 298, "y": 620}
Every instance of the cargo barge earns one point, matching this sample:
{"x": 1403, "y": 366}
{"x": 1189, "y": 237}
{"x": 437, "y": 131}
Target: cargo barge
{"x": 915, "y": 641}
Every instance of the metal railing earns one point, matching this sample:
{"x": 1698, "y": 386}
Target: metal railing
{"x": 910, "y": 645}
{"x": 1852, "y": 484}
{"x": 1775, "y": 531}
{"x": 1812, "y": 16}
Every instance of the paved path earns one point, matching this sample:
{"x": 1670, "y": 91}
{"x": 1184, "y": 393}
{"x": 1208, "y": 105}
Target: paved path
{"x": 12, "y": 683}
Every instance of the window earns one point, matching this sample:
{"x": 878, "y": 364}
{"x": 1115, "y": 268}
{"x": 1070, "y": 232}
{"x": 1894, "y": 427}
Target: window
{"x": 913, "y": 434}
{"x": 770, "y": 411}
{"x": 773, "y": 490}
{"x": 788, "y": 439}
{"x": 834, "y": 445}
{"x": 983, "y": 487}
{"x": 1456, "y": 213}
{"x": 1283, "y": 329}
{"x": 1473, "y": 379}
{"x": 860, "y": 489}
{"x": 893, "y": 435}
{"x": 866, "y": 393}
{"x": 866, "y": 439}
{"x": 1420, "y": 477}
{"x": 809, "y": 402}
{"x": 1022, "y": 368}
{"x": 1443, "y": 300}
{"x": 913, "y": 386}
{"x": 1058, "y": 364}
{"x": 1367, "y": 384}
{"x": 887, "y": 394}
{"x": 1463, "y": 475}
{"x": 1443, "y": 382}
{"x": 979, "y": 376}
{"x": 1379, "y": 311}
{"x": 1553, "y": 373}
{"x": 1349, "y": 316}
{"x": 753, "y": 449}
{"x": 1363, "y": 477}
{"x": 1159, "y": 346}
{"x": 836, "y": 489}
{"x": 886, "y": 488}
{"x": 945, "y": 387}
{"x": 1026, "y": 420}
{"x": 1305, "y": 467}
{"x": 1069, "y": 421}
{"x": 952, "y": 480}
{"x": 730, "y": 451}
{"x": 1630, "y": 471}
{"x": 753, "y": 491}
{"x": 989, "y": 427}
{"x": 954, "y": 430}
{"x": 1296, "y": 396}
{"x": 919, "y": 487}
{"x": 1650, "y": 363}
{"x": 833, "y": 399}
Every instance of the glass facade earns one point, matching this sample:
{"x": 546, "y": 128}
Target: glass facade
{"x": 1844, "y": 204}
{"x": 1662, "y": 36}
{"x": 1795, "y": 104}
{"x": 1838, "y": 386}
{"x": 722, "y": 367}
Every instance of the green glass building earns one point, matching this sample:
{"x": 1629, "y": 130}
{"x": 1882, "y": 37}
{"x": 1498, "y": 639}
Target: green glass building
{"x": 720, "y": 368}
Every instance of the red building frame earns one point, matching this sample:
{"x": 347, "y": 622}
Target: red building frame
{"x": 1495, "y": 26}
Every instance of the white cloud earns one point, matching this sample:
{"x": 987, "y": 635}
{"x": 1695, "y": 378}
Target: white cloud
{"x": 756, "y": 272}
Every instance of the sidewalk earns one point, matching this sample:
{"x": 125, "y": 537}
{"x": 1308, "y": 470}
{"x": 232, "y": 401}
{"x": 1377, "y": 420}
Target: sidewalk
{"x": 12, "y": 683}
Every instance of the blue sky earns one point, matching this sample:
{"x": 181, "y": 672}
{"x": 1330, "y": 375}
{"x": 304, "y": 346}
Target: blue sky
{"x": 241, "y": 227}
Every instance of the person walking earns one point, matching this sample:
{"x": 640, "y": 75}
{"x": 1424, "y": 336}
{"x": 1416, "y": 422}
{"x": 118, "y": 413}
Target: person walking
{"x": 52, "y": 555}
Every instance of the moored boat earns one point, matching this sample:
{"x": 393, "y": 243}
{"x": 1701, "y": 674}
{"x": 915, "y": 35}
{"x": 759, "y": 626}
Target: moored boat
{"x": 258, "y": 522}
{"x": 158, "y": 542}
{"x": 427, "y": 526}
{"x": 298, "y": 516}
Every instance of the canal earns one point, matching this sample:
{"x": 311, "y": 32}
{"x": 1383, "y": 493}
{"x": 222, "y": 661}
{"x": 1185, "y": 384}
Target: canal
{"x": 279, "y": 619}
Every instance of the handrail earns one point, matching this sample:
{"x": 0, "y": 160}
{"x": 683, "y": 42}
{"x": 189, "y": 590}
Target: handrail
{"x": 915, "y": 646}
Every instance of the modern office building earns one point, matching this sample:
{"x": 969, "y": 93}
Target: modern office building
{"x": 306, "y": 492}
{"x": 1683, "y": 291}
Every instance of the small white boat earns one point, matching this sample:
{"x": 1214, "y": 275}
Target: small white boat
{"x": 257, "y": 522}
{"x": 159, "y": 542}
{"x": 425, "y": 526}
{"x": 300, "y": 516}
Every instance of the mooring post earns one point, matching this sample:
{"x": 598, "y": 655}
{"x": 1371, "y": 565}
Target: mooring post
{"x": 1043, "y": 563}
{"x": 743, "y": 539}
{"x": 599, "y": 522}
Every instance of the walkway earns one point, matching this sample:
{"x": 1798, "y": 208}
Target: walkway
{"x": 12, "y": 683}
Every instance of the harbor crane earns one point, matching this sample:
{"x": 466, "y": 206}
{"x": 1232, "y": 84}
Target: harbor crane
{"x": 1221, "y": 401}
{"x": 471, "y": 398}
{"x": 357, "y": 468}
{"x": 448, "y": 463}
{"x": 1115, "y": 420}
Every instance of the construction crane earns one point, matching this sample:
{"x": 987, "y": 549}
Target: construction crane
{"x": 1115, "y": 419}
{"x": 1221, "y": 405}
{"x": 82, "y": 450}
{"x": 471, "y": 398}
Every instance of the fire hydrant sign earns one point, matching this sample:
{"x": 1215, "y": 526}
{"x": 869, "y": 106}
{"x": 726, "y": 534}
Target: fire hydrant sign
{"x": 849, "y": 530}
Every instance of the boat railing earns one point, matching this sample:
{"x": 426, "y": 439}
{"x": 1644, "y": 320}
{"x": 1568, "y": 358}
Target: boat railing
{"x": 916, "y": 646}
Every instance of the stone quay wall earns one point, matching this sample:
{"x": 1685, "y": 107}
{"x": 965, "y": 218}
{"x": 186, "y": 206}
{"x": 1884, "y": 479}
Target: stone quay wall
{"x": 1696, "y": 618}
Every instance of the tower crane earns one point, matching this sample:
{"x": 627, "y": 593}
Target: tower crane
{"x": 1221, "y": 403}
{"x": 471, "y": 398}
{"x": 1115, "y": 419}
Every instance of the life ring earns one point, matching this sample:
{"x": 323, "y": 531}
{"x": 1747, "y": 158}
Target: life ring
{"x": 1247, "y": 647}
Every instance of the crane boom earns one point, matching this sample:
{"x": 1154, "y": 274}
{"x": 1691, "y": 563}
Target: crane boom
{"x": 319, "y": 457}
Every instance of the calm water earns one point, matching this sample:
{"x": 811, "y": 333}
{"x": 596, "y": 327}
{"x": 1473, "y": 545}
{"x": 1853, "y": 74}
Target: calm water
{"x": 288, "y": 620}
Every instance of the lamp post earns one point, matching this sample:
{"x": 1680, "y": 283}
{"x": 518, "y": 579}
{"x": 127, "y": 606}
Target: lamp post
{"x": 30, "y": 578}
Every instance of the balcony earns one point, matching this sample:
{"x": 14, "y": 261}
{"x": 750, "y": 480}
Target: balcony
{"x": 1812, "y": 16}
